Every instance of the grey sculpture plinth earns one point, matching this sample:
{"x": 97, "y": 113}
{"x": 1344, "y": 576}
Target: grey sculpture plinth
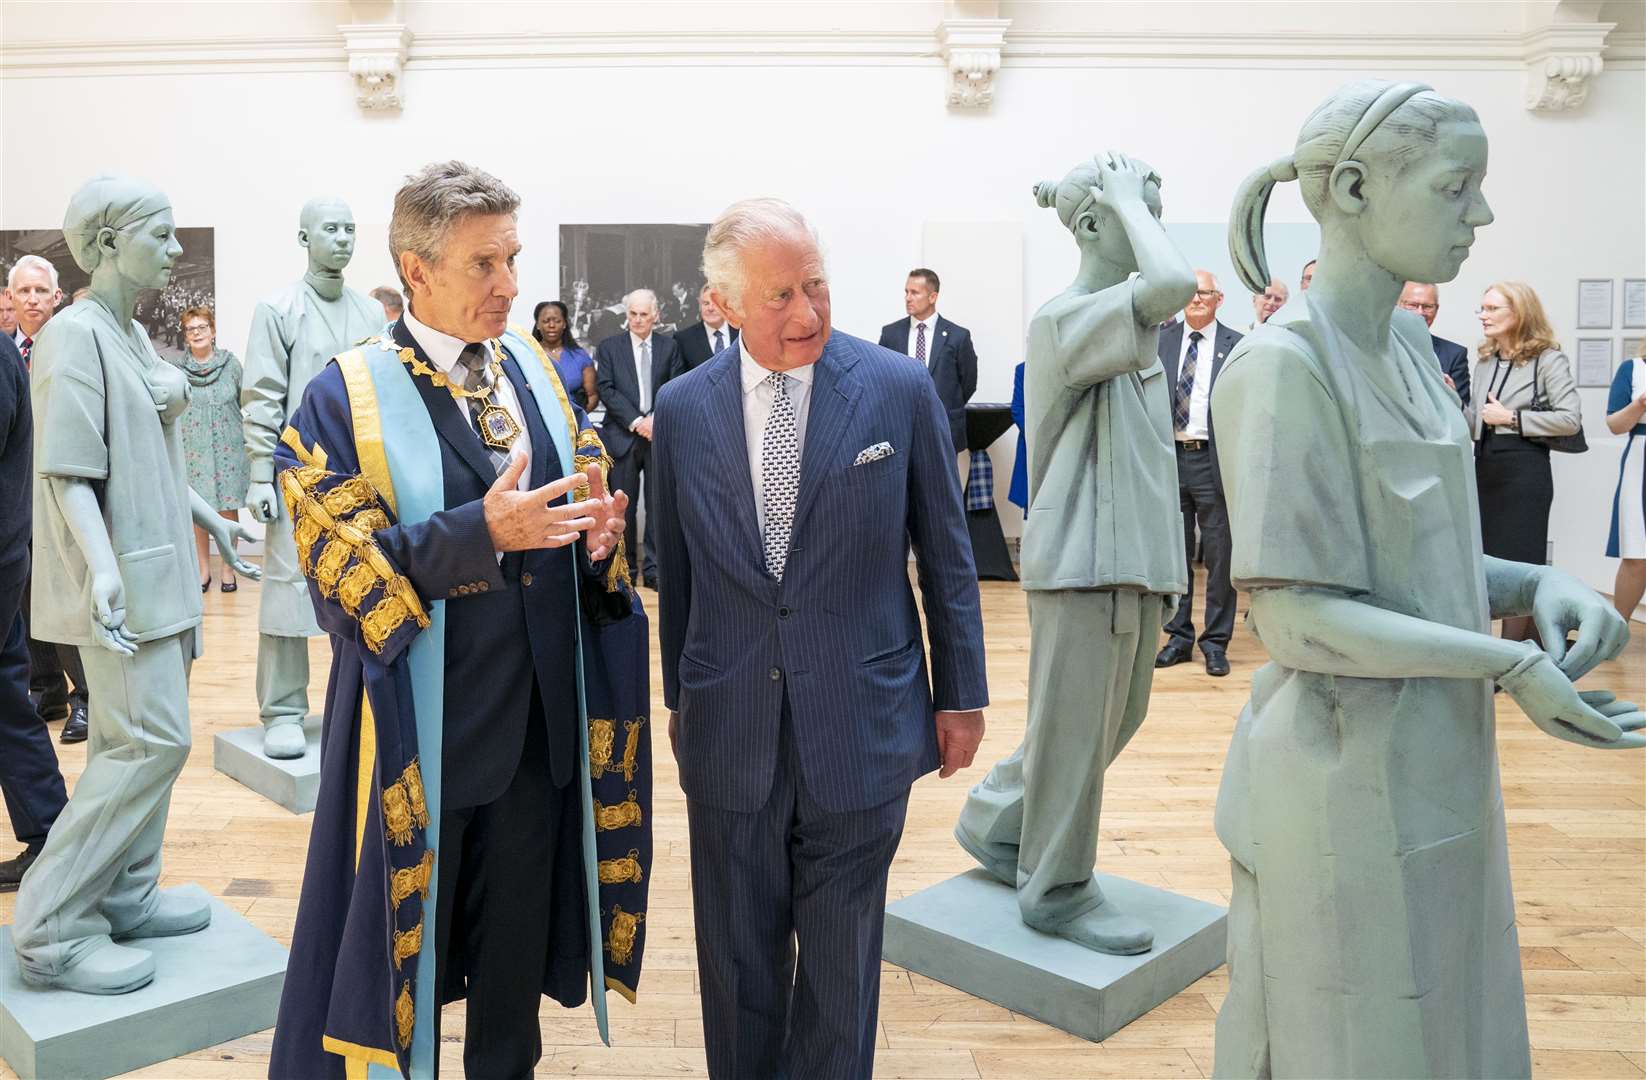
{"x": 967, "y": 933}
{"x": 210, "y": 987}
{"x": 293, "y": 782}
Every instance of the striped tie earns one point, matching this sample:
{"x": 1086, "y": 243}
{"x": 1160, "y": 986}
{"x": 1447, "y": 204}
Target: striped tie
{"x": 1185, "y": 383}
{"x": 473, "y": 358}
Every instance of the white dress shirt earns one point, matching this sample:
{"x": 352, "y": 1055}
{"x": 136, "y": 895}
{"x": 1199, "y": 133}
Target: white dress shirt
{"x": 930, "y": 323}
{"x": 643, "y": 373}
{"x": 443, "y": 351}
{"x": 1200, "y": 398}
{"x": 757, "y": 408}
{"x": 725, "y": 332}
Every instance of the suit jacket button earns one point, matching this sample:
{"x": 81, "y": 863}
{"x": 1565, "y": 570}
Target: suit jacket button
{"x": 782, "y": 613}
{"x": 526, "y": 580}
{"x": 483, "y": 585}
{"x": 776, "y": 674}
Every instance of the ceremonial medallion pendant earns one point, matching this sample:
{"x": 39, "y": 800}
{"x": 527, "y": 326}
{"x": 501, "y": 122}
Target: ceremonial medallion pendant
{"x": 497, "y": 428}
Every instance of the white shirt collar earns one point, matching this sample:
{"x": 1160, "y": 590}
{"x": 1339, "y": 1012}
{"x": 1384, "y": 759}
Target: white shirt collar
{"x": 635, "y": 342}
{"x": 441, "y": 349}
{"x": 754, "y": 374}
{"x": 930, "y": 321}
{"x": 1207, "y": 332}
{"x": 724, "y": 330}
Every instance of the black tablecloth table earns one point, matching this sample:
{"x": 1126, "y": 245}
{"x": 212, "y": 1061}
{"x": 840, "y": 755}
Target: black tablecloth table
{"x": 985, "y": 423}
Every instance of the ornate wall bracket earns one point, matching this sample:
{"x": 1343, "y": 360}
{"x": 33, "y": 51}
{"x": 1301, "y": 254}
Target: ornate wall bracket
{"x": 972, "y": 49}
{"x": 377, "y": 55}
{"x": 1561, "y": 62}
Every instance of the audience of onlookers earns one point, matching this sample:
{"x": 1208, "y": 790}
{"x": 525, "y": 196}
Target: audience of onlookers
{"x": 214, "y": 444}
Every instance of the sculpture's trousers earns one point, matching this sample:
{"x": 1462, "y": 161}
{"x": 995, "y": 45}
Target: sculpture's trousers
{"x": 1091, "y": 665}
{"x": 97, "y": 874}
{"x": 285, "y": 622}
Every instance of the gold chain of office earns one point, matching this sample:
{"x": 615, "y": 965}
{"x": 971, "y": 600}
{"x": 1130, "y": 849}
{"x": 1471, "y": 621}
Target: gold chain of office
{"x": 498, "y": 429}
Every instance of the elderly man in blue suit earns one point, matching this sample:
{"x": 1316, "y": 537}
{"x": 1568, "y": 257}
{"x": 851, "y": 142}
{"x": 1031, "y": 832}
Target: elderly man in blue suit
{"x": 793, "y": 475}
{"x": 1452, "y": 357}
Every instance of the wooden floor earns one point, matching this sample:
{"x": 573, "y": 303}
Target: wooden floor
{"x": 1577, "y": 839}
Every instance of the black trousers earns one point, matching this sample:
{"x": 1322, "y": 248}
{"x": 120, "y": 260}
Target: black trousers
{"x": 55, "y": 672}
{"x": 1202, "y": 501}
{"x": 630, "y": 473}
{"x": 512, "y": 922}
{"x": 29, "y": 778}
{"x": 791, "y": 874}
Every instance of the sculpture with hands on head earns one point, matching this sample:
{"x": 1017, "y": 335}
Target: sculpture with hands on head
{"x": 115, "y": 576}
{"x": 1371, "y": 926}
{"x": 294, "y": 333}
{"x": 1100, "y": 583}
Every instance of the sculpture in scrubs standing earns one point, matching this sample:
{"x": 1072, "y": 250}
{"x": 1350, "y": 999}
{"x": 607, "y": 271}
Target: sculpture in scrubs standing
{"x": 294, "y": 333}
{"x": 115, "y": 575}
{"x": 1371, "y": 927}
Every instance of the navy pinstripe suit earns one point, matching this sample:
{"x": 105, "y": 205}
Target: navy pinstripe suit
{"x": 806, "y": 706}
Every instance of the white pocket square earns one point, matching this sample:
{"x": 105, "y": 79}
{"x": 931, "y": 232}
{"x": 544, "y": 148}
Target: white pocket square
{"x": 874, "y": 453}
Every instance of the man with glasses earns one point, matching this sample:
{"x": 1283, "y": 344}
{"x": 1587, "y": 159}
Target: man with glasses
{"x": 1192, "y": 351}
{"x": 1454, "y": 358}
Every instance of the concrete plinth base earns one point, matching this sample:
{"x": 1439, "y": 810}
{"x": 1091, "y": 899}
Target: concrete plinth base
{"x": 208, "y": 988}
{"x": 293, "y": 782}
{"x": 967, "y": 933}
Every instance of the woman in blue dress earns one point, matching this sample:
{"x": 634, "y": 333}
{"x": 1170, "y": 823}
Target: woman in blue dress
{"x": 1626, "y": 414}
{"x": 551, "y": 326}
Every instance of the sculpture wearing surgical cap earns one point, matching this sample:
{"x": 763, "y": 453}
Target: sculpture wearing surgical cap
{"x": 115, "y": 576}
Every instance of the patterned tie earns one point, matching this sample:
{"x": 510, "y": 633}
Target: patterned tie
{"x": 920, "y": 342}
{"x": 719, "y": 341}
{"x": 643, "y": 372}
{"x": 25, "y": 348}
{"x": 780, "y": 474}
{"x": 1185, "y": 383}
{"x": 473, "y": 357}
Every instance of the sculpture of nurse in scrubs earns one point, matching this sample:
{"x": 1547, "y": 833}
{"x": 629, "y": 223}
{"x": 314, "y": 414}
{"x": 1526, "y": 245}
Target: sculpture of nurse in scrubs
{"x": 1371, "y": 928}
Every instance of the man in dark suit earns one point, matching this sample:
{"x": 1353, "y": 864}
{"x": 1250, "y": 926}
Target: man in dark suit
{"x": 29, "y": 778}
{"x": 1452, "y": 357}
{"x": 632, "y": 367}
{"x": 704, "y": 339}
{"x": 945, "y": 348}
{"x": 1192, "y": 350}
{"x": 792, "y": 475}
{"x": 465, "y": 604}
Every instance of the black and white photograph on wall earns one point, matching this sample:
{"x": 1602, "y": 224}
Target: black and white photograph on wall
{"x": 193, "y": 280}
{"x": 600, "y": 264}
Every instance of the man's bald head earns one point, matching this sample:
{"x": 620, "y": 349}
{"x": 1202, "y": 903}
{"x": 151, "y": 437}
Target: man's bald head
{"x": 326, "y": 228}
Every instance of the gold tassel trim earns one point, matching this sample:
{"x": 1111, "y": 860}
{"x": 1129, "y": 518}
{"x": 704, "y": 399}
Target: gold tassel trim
{"x": 618, "y": 871}
{"x": 404, "y": 806}
{"x": 407, "y": 943}
{"x": 621, "y": 816}
{"x": 631, "y": 748}
{"x": 405, "y": 1015}
{"x": 620, "y": 939}
{"x": 413, "y": 879}
{"x": 602, "y": 737}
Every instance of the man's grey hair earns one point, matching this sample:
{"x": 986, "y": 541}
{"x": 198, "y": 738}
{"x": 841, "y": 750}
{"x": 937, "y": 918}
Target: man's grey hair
{"x": 389, "y": 298}
{"x": 741, "y": 226}
{"x": 637, "y": 294}
{"x": 433, "y": 200}
{"x": 32, "y": 262}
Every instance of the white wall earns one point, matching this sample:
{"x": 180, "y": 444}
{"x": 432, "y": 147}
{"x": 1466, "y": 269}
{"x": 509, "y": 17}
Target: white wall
{"x": 848, "y": 122}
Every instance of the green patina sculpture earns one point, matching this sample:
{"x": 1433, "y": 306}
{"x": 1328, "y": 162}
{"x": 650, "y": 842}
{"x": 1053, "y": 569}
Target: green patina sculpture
{"x": 1103, "y": 559}
{"x": 115, "y": 575}
{"x": 293, "y": 334}
{"x": 1371, "y": 928}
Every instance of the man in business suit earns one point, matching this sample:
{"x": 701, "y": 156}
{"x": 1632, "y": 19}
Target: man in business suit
{"x": 57, "y": 678}
{"x": 704, "y": 339}
{"x": 943, "y": 347}
{"x": 472, "y": 592}
{"x": 29, "y": 777}
{"x": 793, "y": 473}
{"x": 1452, "y": 357}
{"x": 1192, "y": 351}
{"x": 632, "y": 367}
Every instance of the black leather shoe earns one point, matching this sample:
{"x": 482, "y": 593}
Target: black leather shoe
{"x": 1170, "y": 655}
{"x": 12, "y": 870}
{"x": 650, "y": 581}
{"x": 1216, "y": 662}
{"x": 75, "y": 729}
{"x": 50, "y": 707}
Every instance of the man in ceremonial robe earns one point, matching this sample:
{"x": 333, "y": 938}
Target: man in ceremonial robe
{"x": 482, "y": 828}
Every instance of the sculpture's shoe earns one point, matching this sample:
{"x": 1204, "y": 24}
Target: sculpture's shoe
{"x": 284, "y": 739}
{"x": 106, "y": 969}
{"x": 998, "y": 860}
{"x": 172, "y": 916}
{"x": 1104, "y": 929}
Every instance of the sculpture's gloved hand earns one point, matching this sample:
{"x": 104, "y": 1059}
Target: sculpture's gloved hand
{"x": 263, "y": 502}
{"x": 228, "y": 535}
{"x": 1551, "y": 701}
{"x": 108, "y": 613}
{"x": 1562, "y": 604}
